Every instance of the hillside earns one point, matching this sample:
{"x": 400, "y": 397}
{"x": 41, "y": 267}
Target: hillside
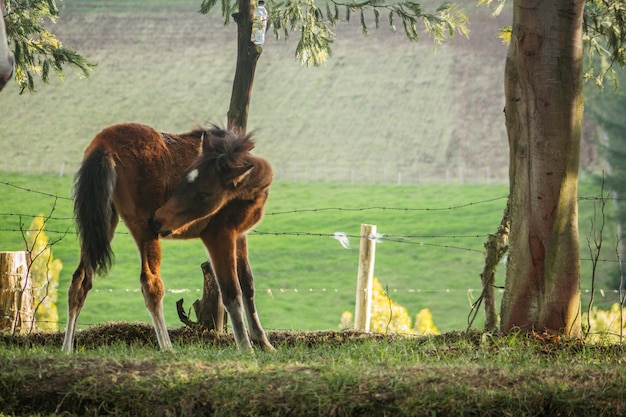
{"x": 381, "y": 105}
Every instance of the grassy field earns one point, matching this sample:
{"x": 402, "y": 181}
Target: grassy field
{"x": 118, "y": 371}
{"x": 381, "y": 103}
{"x": 430, "y": 256}
{"x": 305, "y": 279}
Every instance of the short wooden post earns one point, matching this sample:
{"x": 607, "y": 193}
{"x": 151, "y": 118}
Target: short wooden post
{"x": 210, "y": 309}
{"x": 367, "y": 251}
{"x": 17, "y": 302}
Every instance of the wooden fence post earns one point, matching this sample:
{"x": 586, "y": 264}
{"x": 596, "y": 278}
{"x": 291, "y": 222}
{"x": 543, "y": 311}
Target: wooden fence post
{"x": 367, "y": 251}
{"x": 17, "y": 301}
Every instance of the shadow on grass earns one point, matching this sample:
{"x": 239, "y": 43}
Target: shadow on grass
{"x": 331, "y": 373}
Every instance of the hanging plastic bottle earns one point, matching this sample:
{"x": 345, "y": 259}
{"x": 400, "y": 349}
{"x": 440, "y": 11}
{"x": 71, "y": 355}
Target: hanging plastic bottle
{"x": 259, "y": 24}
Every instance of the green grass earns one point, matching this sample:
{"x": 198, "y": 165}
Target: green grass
{"x": 341, "y": 374}
{"x": 304, "y": 278}
{"x": 305, "y": 282}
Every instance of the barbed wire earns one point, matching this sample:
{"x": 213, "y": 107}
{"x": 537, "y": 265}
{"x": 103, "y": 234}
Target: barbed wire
{"x": 383, "y": 208}
{"x": 401, "y": 239}
{"x": 380, "y": 238}
{"x": 36, "y": 215}
{"x": 321, "y": 209}
{"x": 30, "y": 190}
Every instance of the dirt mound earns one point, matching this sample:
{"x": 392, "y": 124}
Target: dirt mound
{"x": 142, "y": 334}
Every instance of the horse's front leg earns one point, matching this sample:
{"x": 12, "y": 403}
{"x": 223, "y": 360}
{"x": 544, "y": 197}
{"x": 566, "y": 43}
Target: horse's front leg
{"x": 223, "y": 252}
{"x": 153, "y": 290}
{"x": 246, "y": 281}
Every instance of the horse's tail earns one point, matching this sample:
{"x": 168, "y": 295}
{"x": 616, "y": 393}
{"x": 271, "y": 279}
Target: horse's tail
{"x": 94, "y": 185}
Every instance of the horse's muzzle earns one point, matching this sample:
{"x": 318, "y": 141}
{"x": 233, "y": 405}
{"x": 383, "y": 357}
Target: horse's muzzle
{"x": 155, "y": 226}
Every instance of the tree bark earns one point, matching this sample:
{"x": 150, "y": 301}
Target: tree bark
{"x": 247, "y": 56}
{"x": 17, "y": 301}
{"x": 544, "y": 108}
{"x": 6, "y": 59}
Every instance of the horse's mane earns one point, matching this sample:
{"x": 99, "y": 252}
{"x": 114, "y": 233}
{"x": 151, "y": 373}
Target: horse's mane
{"x": 226, "y": 146}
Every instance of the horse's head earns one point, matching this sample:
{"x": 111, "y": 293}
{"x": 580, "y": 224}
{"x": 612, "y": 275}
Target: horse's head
{"x": 214, "y": 179}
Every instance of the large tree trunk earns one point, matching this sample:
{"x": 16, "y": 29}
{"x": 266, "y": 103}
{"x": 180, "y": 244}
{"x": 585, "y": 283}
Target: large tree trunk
{"x": 6, "y": 59}
{"x": 544, "y": 109}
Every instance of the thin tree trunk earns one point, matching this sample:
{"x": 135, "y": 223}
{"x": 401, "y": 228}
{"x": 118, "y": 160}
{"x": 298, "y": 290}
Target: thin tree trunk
{"x": 210, "y": 310}
{"x": 6, "y": 59}
{"x": 495, "y": 248}
{"x": 247, "y": 56}
{"x": 544, "y": 108}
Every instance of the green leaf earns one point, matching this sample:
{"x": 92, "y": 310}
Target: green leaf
{"x": 604, "y": 25}
{"x": 35, "y": 49}
{"x": 392, "y": 26}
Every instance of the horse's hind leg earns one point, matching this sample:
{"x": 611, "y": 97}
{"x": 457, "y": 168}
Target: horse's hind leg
{"x": 80, "y": 286}
{"x": 153, "y": 290}
{"x": 246, "y": 281}
{"x": 82, "y": 282}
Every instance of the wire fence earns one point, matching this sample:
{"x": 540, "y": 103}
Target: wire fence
{"x": 400, "y": 239}
{"x": 464, "y": 296}
{"x": 310, "y": 172}
{"x": 376, "y": 174}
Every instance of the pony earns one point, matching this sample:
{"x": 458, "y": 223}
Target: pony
{"x": 202, "y": 184}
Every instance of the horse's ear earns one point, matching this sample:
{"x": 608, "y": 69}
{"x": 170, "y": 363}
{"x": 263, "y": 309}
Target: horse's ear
{"x": 239, "y": 174}
{"x": 206, "y": 144}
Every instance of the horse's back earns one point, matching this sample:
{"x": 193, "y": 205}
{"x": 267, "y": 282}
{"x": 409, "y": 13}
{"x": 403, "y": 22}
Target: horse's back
{"x": 148, "y": 165}
{"x": 129, "y": 140}
{"x": 146, "y": 149}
